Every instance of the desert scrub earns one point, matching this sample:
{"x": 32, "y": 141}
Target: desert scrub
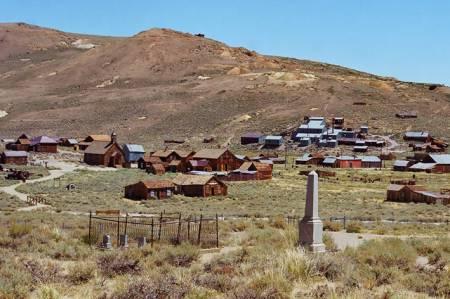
{"x": 278, "y": 222}
{"x": 178, "y": 256}
{"x": 354, "y": 227}
{"x": 332, "y": 226}
{"x": 18, "y": 230}
{"x": 81, "y": 272}
{"x": 115, "y": 263}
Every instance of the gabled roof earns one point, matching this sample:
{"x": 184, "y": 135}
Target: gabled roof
{"x": 253, "y": 135}
{"x": 134, "y": 148}
{"x": 72, "y": 141}
{"x": 273, "y": 137}
{"x": 174, "y": 163}
{"x": 158, "y": 184}
{"x": 42, "y": 139}
{"x": 184, "y": 154}
{"x": 151, "y": 159}
{"x": 441, "y": 159}
{"x": 210, "y": 153}
{"x": 98, "y": 147}
{"x": 329, "y": 160}
{"x": 417, "y": 134}
{"x": 15, "y": 154}
{"x": 369, "y": 158}
{"x": 423, "y": 166}
{"x": 158, "y": 166}
{"x": 395, "y": 187}
{"x": 187, "y": 179}
{"x": 98, "y": 137}
{"x": 401, "y": 163}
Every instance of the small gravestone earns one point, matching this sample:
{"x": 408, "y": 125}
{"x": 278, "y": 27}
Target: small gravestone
{"x": 123, "y": 241}
{"x": 106, "y": 244}
{"x": 311, "y": 227}
{"x": 142, "y": 241}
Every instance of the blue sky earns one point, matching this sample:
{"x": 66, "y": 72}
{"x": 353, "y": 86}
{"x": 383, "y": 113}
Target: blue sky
{"x": 406, "y": 39}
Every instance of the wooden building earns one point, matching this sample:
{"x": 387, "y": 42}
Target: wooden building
{"x": 310, "y": 159}
{"x": 422, "y": 136}
{"x": 416, "y": 194}
{"x": 252, "y": 138}
{"x": 348, "y": 162}
{"x": 199, "y": 165}
{"x": 21, "y": 144}
{"x": 370, "y": 162}
{"x": 147, "y": 160}
{"x": 338, "y": 122}
{"x": 150, "y": 189}
{"x": 92, "y": 138}
{"x": 44, "y": 144}
{"x": 133, "y": 152}
{"x": 402, "y": 165}
{"x": 103, "y": 153}
{"x": 199, "y": 185}
{"x": 156, "y": 169}
{"x": 175, "y": 160}
{"x": 263, "y": 171}
{"x": 441, "y": 162}
{"x": 406, "y": 114}
{"x": 219, "y": 159}
{"x": 14, "y": 157}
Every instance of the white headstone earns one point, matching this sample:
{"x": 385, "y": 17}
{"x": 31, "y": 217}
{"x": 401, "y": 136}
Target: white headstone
{"x": 311, "y": 227}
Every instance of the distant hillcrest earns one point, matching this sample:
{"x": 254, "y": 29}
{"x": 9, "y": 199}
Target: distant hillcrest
{"x": 163, "y": 83}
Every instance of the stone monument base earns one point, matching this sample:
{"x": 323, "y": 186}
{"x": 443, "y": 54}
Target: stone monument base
{"x": 311, "y": 234}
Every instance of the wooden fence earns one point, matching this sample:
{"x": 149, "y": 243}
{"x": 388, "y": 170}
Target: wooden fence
{"x": 165, "y": 228}
{"x": 36, "y": 199}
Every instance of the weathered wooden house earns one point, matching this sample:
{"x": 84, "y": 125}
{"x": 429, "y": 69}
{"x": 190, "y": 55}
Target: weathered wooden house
{"x": 14, "y": 157}
{"x": 310, "y": 159}
{"x": 104, "y": 153}
{"x": 370, "y": 162}
{"x": 273, "y": 141}
{"x": 175, "y": 160}
{"x": 422, "y": 167}
{"x": 252, "y": 138}
{"x": 402, "y": 165}
{"x": 199, "y": 165}
{"x": 441, "y": 162}
{"x": 92, "y": 138}
{"x": 263, "y": 171}
{"x": 199, "y": 185}
{"x": 156, "y": 169}
{"x": 133, "y": 152}
{"x": 348, "y": 162}
{"x": 150, "y": 189}
{"x": 147, "y": 160}
{"x": 421, "y": 136}
{"x": 416, "y": 194}
{"x": 44, "y": 144}
{"x": 219, "y": 159}
{"x": 21, "y": 144}
{"x": 69, "y": 142}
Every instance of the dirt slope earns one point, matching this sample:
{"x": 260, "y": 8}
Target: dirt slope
{"x": 162, "y": 83}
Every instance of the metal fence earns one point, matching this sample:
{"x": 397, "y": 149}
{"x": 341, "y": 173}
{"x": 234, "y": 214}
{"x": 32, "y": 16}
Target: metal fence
{"x": 165, "y": 228}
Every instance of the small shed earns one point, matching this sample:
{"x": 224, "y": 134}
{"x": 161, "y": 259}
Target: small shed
{"x": 146, "y": 161}
{"x": 338, "y": 122}
{"x": 329, "y": 162}
{"x": 133, "y": 152}
{"x": 14, "y": 157}
{"x": 401, "y": 165}
{"x": 21, "y": 144}
{"x": 348, "y": 162}
{"x": 263, "y": 171}
{"x": 370, "y": 162}
{"x": 252, "y": 138}
{"x": 150, "y": 189}
{"x": 364, "y": 129}
{"x": 44, "y": 144}
{"x": 422, "y": 167}
{"x": 273, "y": 141}
{"x": 199, "y": 185}
{"x": 441, "y": 161}
{"x": 360, "y": 148}
{"x": 420, "y": 136}
{"x": 219, "y": 159}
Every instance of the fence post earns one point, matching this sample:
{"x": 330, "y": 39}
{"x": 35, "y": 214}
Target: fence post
{"x": 118, "y": 230}
{"x": 189, "y": 229}
{"x": 151, "y": 235}
{"x": 199, "y": 229}
{"x": 160, "y": 223}
{"x": 179, "y": 228}
{"x": 217, "y": 231}
{"x": 89, "y": 235}
{"x": 345, "y": 219}
{"x": 126, "y": 224}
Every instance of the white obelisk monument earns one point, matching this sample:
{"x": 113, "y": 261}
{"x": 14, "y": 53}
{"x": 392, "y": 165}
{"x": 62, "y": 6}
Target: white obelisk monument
{"x": 311, "y": 227}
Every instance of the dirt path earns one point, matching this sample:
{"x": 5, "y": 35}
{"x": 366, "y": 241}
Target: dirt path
{"x": 62, "y": 169}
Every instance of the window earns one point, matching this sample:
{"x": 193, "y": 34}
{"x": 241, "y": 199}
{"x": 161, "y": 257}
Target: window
{"x": 169, "y": 192}
{"x": 152, "y": 194}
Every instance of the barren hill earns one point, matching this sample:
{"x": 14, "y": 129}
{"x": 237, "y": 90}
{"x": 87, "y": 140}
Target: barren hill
{"x": 166, "y": 84}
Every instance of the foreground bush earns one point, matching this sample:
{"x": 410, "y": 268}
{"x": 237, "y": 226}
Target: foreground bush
{"x": 354, "y": 227}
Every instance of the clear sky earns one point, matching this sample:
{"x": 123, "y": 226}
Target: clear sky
{"x": 406, "y": 39}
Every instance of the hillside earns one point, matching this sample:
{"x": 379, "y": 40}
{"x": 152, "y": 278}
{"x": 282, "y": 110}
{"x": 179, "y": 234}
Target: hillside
{"x": 165, "y": 84}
